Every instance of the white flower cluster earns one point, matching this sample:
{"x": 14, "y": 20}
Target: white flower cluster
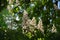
{"x": 9, "y": 20}
{"x": 29, "y": 24}
{"x": 54, "y": 30}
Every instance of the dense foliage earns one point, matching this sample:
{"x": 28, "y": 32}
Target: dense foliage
{"x": 12, "y": 15}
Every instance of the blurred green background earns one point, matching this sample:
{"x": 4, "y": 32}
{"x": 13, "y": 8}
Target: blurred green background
{"x": 11, "y": 15}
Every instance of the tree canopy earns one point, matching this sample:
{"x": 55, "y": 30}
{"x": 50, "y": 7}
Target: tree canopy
{"x": 29, "y": 19}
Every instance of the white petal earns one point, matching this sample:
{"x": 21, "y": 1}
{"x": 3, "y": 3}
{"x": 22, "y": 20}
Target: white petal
{"x": 17, "y": 18}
